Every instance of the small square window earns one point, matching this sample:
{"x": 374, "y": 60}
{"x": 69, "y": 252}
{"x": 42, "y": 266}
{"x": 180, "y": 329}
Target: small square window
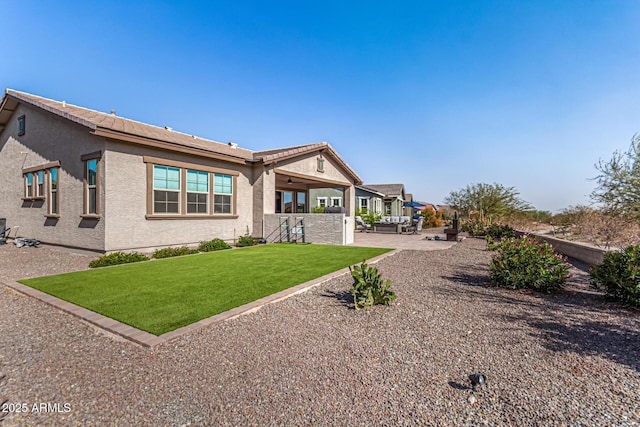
{"x": 21, "y": 125}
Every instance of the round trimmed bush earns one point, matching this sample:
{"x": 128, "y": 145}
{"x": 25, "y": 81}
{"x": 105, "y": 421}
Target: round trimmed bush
{"x": 528, "y": 263}
{"x": 619, "y": 275}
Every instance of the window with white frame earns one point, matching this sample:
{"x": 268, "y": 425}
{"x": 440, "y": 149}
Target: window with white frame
{"x": 336, "y": 201}
{"x": 222, "y": 193}
{"x": 363, "y": 204}
{"x": 197, "y": 192}
{"x": 166, "y": 190}
{"x": 322, "y": 202}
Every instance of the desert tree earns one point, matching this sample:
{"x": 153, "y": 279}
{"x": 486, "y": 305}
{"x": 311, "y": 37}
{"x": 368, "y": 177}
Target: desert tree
{"x": 490, "y": 201}
{"x": 618, "y": 190}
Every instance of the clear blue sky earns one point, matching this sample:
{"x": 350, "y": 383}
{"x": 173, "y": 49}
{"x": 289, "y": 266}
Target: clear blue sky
{"x": 435, "y": 95}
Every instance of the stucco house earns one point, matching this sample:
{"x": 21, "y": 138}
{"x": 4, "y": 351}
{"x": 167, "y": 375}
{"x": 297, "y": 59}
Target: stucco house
{"x": 76, "y": 177}
{"x": 393, "y": 197}
{"x": 369, "y": 200}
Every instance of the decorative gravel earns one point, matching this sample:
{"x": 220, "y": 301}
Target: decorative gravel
{"x": 567, "y": 359}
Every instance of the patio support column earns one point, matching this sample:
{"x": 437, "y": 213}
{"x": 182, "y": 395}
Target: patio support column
{"x": 349, "y": 195}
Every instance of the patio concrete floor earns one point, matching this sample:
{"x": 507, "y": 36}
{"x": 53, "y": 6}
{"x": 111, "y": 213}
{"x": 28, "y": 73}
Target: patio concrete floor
{"x": 417, "y": 242}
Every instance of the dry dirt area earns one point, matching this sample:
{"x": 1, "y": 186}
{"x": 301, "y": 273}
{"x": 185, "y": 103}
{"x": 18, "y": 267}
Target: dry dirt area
{"x": 569, "y": 359}
{"x": 21, "y": 263}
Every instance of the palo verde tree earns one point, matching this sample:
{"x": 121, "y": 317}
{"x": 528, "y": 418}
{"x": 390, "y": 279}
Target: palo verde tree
{"x": 491, "y": 201}
{"x": 618, "y": 188}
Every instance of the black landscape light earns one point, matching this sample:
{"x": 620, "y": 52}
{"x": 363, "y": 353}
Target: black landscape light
{"x": 477, "y": 379}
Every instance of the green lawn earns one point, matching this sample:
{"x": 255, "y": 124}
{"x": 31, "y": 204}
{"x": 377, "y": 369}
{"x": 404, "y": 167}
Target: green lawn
{"x": 163, "y": 295}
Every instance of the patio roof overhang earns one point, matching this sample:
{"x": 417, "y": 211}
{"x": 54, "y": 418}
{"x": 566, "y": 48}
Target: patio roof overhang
{"x": 283, "y": 175}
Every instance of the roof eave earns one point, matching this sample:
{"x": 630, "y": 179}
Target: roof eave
{"x": 156, "y": 143}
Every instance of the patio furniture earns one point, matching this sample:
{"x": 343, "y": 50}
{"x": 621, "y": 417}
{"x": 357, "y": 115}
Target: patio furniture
{"x": 414, "y": 228}
{"x": 361, "y": 225}
{"x": 391, "y": 224}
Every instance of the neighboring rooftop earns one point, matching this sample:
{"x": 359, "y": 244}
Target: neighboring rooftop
{"x": 386, "y": 189}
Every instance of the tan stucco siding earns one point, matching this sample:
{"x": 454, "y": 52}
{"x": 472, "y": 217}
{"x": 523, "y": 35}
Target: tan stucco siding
{"x": 48, "y": 139}
{"x": 127, "y": 225}
{"x": 308, "y": 166}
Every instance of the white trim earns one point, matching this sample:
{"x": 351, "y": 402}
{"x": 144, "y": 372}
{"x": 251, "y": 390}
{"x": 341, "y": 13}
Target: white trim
{"x": 338, "y": 199}
{"x": 322, "y": 199}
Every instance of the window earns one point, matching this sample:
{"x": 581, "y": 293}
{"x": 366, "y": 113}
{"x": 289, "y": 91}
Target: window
{"x": 336, "y": 201}
{"x": 197, "y": 192}
{"x": 322, "y": 202}
{"x": 180, "y": 190}
{"x": 222, "y": 192}
{"x": 28, "y": 186}
{"x": 92, "y": 186}
{"x": 364, "y": 204}
{"x": 21, "y": 126}
{"x": 34, "y": 184}
{"x": 387, "y": 208}
{"x": 53, "y": 208}
{"x": 301, "y": 202}
{"x": 91, "y": 207}
{"x": 39, "y": 181}
{"x": 40, "y": 187}
{"x": 320, "y": 164}
{"x": 166, "y": 189}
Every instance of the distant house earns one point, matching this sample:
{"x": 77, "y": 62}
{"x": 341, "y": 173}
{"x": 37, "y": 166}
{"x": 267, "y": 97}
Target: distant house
{"x": 369, "y": 200}
{"x": 82, "y": 178}
{"x": 391, "y": 196}
{"x": 326, "y": 197}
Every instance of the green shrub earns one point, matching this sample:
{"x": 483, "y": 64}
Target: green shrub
{"x": 527, "y": 263}
{"x": 619, "y": 275}
{"x": 171, "y": 252}
{"x": 246, "y": 240}
{"x": 213, "y": 245}
{"x": 371, "y": 218}
{"x": 116, "y": 258}
{"x": 499, "y": 231}
{"x": 317, "y": 209}
{"x": 368, "y": 288}
{"x": 474, "y": 228}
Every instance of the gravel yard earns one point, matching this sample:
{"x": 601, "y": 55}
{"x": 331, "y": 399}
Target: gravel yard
{"x": 567, "y": 359}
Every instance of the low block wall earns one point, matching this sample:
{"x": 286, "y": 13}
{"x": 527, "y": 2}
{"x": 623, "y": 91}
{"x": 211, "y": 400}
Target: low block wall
{"x": 580, "y": 251}
{"x": 331, "y": 229}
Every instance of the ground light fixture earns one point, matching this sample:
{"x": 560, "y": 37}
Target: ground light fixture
{"x": 477, "y": 379}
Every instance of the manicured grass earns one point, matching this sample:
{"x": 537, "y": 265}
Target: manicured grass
{"x": 163, "y": 295}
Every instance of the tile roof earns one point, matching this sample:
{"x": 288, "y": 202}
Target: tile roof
{"x": 386, "y": 189}
{"x": 271, "y": 156}
{"x": 112, "y": 126}
{"x": 96, "y": 120}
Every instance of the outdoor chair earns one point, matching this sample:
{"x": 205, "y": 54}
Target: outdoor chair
{"x": 361, "y": 225}
{"x": 415, "y": 228}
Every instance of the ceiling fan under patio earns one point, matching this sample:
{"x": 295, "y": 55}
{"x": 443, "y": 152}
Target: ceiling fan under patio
{"x": 290, "y": 181}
